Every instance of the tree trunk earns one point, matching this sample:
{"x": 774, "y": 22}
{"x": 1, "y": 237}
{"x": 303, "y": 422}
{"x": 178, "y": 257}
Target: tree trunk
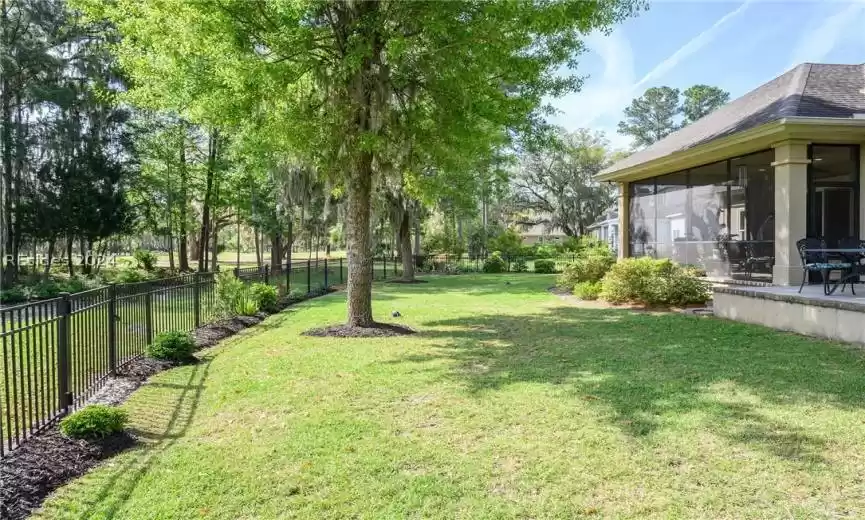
{"x": 405, "y": 248}
{"x": 184, "y": 201}
{"x": 9, "y": 271}
{"x": 69, "y": 263}
{"x": 417, "y": 236}
{"x": 275, "y": 253}
{"x": 214, "y": 264}
{"x": 359, "y": 286}
{"x": 50, "y": 257}
{"x": 170, "y": 252}
{"x": 257, "y": 247}
{"x": 205, "y": 212}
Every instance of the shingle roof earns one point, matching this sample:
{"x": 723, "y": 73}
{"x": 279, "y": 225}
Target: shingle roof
{"x": 808, "y": 90}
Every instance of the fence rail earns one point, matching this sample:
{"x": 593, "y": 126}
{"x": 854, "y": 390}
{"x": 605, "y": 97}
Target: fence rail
{"x": 55, "y": 354}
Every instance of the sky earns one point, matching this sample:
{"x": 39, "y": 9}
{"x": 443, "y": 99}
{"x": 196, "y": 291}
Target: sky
{"x": 737, "y": 46}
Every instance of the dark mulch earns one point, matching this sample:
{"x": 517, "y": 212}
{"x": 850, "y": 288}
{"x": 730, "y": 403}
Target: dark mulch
{"x": 44, "y": 463}
{"x": 378, "y": 330}
{"x": 416, "y": 280}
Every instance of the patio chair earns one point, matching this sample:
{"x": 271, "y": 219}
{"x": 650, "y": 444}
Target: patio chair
{"x": 753, "y": 259}
{"x": 852, "y": 243}
{"x": 814, "y": 261}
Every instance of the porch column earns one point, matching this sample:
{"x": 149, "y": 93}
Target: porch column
{"x": 862, "y": 191}
{"x": 624, "y": 219}
{"x": 791, "y": 222}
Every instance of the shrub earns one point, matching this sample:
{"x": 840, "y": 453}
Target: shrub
{"x": 145, "y": 259}
{"x": 588, "y": 290}
{"x": 297, "y": 295}
{"x": 545, "y": 266}
{"x": 246, "y": 306}
{"x": 527, "y": 251}
{"x": 545, "y": 251}
{"x": 94, "y": 422}
{"x": 12, "y": 295}
{"x": 229, "y": 293}
{"x": 652, "y": 282}
{"x": 131, "y": 276}
{"x": 495, "y": 263}
{"x": 591, "y": 266}
{"x": 265, "y": 296}
{"x": 508, "y": 243}
{"x": 172, "y": 346}
{"x": 519, "y": 266}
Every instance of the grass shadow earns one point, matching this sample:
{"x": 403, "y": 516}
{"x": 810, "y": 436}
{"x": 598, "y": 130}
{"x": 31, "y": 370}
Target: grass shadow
{"x": 163, "y": 412}
{"x": 646, "y": 371}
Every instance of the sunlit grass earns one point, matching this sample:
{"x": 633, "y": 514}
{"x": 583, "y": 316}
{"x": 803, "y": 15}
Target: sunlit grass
{"x": 508, "y": 404}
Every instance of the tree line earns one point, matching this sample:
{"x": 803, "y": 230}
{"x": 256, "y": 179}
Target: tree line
{"x": 301, "y": 122}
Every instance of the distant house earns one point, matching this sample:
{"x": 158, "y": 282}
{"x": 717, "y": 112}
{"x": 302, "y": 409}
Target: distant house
{"x": 607, "y": 229}
{"x": 540, "y": 234}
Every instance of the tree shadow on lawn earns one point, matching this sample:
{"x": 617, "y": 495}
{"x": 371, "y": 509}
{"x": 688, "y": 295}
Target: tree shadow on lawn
{"x": 161, "y": 414}
{"x": 646, "y": 369}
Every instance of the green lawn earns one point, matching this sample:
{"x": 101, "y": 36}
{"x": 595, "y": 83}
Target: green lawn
{"x": 509, "y": 403}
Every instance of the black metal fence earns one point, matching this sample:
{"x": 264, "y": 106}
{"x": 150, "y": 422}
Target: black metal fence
{"x": 55, "y": 354}
{"x": 456, "y": 264}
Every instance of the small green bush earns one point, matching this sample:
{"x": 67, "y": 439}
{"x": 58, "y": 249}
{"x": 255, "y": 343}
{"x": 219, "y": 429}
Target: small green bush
{"x": 230, "y": 291}
{"x": 495, "y": 263}
{"x": 94, "y": 422}
{"x": 172, "y": 346}
{"x": 545, "y": 251}
{"x": 265, "y": 296}
{"x": 145, "y": 259}
{"x": 652, "y": 282}
{"x": 519, "y": 266}
{"x": 131, "y": 276}
{"x": 297, "y": 295}
{"x": 591, "y": 266}
{"x": 12, "y": 295}
{"x": 545, "y": 266}
{"x": 588, "y": 290}
{"x": 246, "y": 306}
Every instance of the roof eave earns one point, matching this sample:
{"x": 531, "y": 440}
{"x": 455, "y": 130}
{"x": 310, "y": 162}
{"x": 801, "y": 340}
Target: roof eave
{"x": 741, "y": 143}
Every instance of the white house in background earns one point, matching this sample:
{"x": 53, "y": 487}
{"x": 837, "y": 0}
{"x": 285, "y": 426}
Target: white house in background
{"x": 540, "y": 234}
{"x": 607, "y": 229}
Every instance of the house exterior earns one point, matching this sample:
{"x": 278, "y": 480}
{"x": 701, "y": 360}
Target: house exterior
{"x": 734, "y": 191}
{"x": 607, "y": 229}
{"x": 539, "y": 234}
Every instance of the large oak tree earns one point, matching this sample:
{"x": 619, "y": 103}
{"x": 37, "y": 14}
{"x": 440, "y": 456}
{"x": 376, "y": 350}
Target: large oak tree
{"x": 333, "y": 79}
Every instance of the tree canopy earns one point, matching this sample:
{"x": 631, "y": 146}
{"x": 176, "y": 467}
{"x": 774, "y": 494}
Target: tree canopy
{"x": 346, "y": 88}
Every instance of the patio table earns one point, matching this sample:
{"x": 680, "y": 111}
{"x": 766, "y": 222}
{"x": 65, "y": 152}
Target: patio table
{"x": 853, "y": 256}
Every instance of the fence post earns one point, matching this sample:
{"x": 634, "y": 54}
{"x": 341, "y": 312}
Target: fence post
{"x": 148, "y": 315}
{"x": 325, "y": 274}
{"x": 308, "y": 277}
{"x": 237, "y": 272}
{"x": 393, "y": 259}
{"x": 288, "y": 277}
{"x": 341, "y": 281}
{"x": 196, "y": 295}
{"x": 112, "y": 329}
{"x": 64, "y": 338}
{"x": 266, "y": 274}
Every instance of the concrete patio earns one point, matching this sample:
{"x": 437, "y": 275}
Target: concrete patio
{"x": 840, "y": 316}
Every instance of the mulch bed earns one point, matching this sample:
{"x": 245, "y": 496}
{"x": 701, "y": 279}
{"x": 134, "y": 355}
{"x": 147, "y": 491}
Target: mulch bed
{"x": 378, "y": 330}
{"x": 44, "y": 463}
{"x": 48, "y": 459}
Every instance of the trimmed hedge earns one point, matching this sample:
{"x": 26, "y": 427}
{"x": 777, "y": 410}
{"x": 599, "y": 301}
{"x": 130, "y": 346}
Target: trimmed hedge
{"x": 652, "y": 282}
{"x": 94, "y": 422}
{"x": 172, "y": 346}
{"x": 545, "y": 266}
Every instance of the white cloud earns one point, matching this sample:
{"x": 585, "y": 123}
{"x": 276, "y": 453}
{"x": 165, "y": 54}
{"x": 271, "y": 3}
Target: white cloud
{"x": 814, "y": 45}
{"x": 602, "y": 94}
{"x": 599, "y": 104}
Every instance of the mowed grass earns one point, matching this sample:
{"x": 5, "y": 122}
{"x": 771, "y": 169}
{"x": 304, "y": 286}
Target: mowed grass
{"x": 509, "y": 403}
